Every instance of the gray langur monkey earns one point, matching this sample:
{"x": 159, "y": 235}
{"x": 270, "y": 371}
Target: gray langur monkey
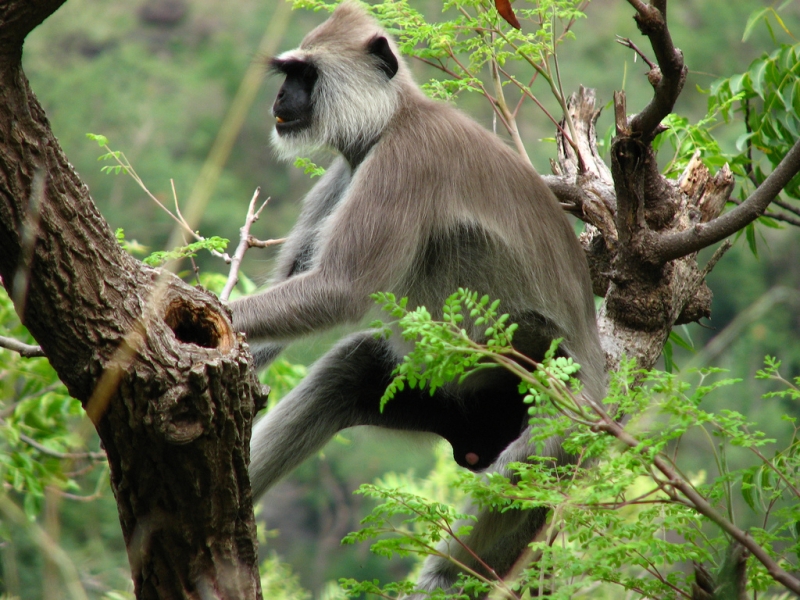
{"x": 420, "y": 201}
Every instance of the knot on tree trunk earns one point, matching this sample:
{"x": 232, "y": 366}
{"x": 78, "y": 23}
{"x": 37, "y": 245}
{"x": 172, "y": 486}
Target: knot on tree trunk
{"x": 199, "y": 325}
{"x": 627, "y": 208}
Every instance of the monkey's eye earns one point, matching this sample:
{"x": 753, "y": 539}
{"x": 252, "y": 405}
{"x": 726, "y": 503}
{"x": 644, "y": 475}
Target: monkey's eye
{"x": 294, "y": 68}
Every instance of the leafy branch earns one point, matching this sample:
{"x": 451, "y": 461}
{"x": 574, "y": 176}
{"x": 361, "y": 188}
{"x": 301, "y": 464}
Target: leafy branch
{"x": 594, "y": 501}
{"x": 214, "y": 245}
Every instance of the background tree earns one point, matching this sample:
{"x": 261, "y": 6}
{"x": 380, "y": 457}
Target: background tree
{"x": 645, "y": 231}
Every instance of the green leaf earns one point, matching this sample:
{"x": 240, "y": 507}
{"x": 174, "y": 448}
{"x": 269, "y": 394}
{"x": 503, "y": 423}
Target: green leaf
{"x": 757, "y": 75}
{"x": 669, "y": 366}
{"x": 677, "y": 339}
{"x": 752, "y": 21}
{"x": 795, "y": 100}
{"x": 750, "y": 235}
{"x": 747, "y": 489}
{"x": 309, "y": 168}
{"x": 100, "y": 139}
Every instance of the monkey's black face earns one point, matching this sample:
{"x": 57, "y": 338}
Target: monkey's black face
{"x": 293, "y": 107}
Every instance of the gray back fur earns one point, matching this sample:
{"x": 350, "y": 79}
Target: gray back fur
{"x": 432, "y": 175}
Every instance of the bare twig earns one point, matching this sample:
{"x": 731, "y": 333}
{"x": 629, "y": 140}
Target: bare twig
{"x": 76, "y": 497}
{"x": 244, "y": 244}
{"x": 787, "y": 206}
{"x": 525, "y": 90}
{"x": 98, "y": 456}
{"x": 751, "y": 174}
{"x": 255, "y": 243}
{"x": 784, "y": 218}
{"x": 25, "y": 350}
{"x": 183, "y": 224}
{"x": 775, "y": 216}
{"x": 522, "y": 96}
{"x": 628, "y": 43}
{"x": 492, "y": 100}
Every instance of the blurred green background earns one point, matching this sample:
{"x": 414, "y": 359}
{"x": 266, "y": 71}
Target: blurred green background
{"x": 158, "y": 77}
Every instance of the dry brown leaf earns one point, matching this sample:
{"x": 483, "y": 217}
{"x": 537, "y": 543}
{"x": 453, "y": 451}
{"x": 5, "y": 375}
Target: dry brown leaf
{"x": 504, "y": 8}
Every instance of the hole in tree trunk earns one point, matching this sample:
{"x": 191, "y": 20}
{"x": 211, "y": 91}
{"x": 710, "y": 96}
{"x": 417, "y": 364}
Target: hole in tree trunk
{"x": 198, "y": 325}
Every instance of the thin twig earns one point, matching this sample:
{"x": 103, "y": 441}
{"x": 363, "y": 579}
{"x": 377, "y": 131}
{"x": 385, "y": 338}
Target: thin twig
{"x": 20, "y": 348}
{"x": 628, "y": 43}
{"x": 99, "y": 456}
{"x": 244, "y": 245}
{"x": 76, "y": 497}
{"x": 195, "y": 268}
{"x": 751, "y": 174}
{"x": 554, "y": 89}
{"x": 775, "y": 216}
{"x": 694, "y": 499}
{"x": 530, "y": 95}
{"x": 787, "y": 206}
{"x": 481, "y": 87}
{"x": 523, "y": 96}
{"x": 255, "y": 243}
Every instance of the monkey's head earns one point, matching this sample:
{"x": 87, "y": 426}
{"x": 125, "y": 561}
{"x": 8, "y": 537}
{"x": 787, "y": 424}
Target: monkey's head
{"x": 342, "y": 86}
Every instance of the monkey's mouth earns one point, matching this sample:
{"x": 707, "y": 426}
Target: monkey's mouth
{"x": 284, "y": 125}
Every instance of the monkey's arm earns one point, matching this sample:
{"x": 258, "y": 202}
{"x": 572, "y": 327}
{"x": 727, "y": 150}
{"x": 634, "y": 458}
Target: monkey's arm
{"x": 296, "y": 252}
{"x": 366, "y": 245}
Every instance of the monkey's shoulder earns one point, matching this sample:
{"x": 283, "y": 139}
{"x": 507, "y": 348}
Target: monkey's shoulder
{"x": 437, "y": 142}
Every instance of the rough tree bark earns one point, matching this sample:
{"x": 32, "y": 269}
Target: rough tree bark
{"x": 155, "y": 362}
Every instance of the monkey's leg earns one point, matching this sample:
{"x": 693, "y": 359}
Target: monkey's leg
{"x": 264, "y": 354}
{"x": 499, "y": 539}
{"x": 342, "y": 389}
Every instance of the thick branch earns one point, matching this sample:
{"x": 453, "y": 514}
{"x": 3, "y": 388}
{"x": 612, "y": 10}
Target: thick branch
{"x": 668, "y": 78}
{"x": 661, "y": 249}
{"x": 571, "y": 196}
{"x": 17, "y": 20}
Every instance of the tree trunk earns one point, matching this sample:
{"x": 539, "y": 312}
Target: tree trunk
{"x": 155, "y": 362}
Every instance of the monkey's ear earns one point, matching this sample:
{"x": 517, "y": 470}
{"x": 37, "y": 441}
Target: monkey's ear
{"x": 378, "y": 46}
